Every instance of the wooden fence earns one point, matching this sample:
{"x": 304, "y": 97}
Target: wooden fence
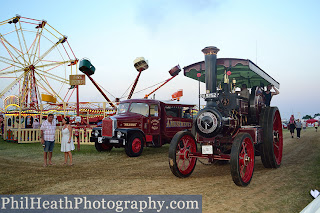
{"x": 33, "y": 136}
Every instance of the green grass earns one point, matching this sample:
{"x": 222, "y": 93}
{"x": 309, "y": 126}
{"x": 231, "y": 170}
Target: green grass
{"x": 282, "y": 190}
{"x": 34, "y": 151}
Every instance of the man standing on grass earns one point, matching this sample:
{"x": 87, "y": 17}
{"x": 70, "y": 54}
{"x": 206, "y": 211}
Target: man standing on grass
{"x": 298, "y": 127}
{"x": 48, "y": 131}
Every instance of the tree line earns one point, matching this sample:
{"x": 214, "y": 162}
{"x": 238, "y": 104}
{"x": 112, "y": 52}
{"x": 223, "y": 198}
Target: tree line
{"x": 309, "y": 116}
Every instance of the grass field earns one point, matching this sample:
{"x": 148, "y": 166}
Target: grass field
{"x": 282, "y": 190}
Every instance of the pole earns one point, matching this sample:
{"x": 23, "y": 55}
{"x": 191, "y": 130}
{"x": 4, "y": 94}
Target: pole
{"x": 104, "y": 109}
{"x": 146, "y": 96}
{"x": 64, "y": 109}
{"x": 87, "y": 117}
{"x": 78, "y": 113}
{"x": 135, "y": 84}
{"x": 41, "y": 116}
{"x": 19, "y": 126}
{"x": 102, "y": 93}
{"x": 199, "y": 93}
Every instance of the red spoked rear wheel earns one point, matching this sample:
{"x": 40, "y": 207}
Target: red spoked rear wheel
{"x": 272, "y": 145}
{"x": 180, "y": 162}
{"x": 242, "y": 159}
{"x": 277, "y": 138}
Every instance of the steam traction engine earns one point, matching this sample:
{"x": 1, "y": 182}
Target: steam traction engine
{"x": 230, "y": 127}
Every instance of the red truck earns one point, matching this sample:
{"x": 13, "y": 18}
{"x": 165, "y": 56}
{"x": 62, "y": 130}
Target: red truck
{"x": 142, "y": 122}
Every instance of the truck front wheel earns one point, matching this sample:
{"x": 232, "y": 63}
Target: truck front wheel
{"x": 134, "y": 146}
{"x": 101, "y": 147}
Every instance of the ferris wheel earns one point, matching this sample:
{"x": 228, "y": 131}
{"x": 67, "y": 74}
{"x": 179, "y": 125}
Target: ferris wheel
{"x": 35, "y": 59}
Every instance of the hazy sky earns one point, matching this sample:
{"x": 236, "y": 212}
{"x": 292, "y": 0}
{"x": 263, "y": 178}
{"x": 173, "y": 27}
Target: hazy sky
{"x": 282, "y": 37}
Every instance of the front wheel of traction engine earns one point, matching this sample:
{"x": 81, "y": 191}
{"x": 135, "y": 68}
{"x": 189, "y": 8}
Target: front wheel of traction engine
{"x": 134, "y": 146}
{"x": 180, "y": 162}
{"x": 101, "y": 147}
{"x": 272, "y": 145}
{"x": 242, "y": 159}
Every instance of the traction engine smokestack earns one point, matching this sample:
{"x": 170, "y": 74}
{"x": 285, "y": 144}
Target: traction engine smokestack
{"x": 211, "y": 72}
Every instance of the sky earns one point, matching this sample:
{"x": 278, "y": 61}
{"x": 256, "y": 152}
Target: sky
{"x": 281, "y": 37}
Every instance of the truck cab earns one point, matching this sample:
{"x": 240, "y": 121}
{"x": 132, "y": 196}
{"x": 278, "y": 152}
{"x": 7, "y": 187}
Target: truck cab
{"x": 142, "y": 122}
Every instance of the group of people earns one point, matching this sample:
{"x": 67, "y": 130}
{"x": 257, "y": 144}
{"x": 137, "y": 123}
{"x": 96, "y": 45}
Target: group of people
{"x": 48, "y": 129}
{"x": 295, "y": 124}
{"x": 267, "y": 94}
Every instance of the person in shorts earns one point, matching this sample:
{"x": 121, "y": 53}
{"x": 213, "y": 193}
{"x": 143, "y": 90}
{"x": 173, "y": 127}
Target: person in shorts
{"x": 48, "y": 131}
{"x": 292, "y": 125}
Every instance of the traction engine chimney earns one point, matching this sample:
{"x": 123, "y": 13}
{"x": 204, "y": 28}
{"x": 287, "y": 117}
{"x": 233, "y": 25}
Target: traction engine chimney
{"x": 211, "y": 73}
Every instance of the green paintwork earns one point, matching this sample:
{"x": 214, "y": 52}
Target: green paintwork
{"x": 86, "y": 67}
{"x": 240, "y": 71}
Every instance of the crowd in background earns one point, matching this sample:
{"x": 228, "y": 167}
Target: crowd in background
{"x": 298, "y": 125}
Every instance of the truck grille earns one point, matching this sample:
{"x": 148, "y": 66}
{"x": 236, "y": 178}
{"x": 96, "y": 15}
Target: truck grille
{"x": 107, "y": 127}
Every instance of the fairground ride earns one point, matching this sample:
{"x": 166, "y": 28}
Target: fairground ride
{"x": 35, "y": 62}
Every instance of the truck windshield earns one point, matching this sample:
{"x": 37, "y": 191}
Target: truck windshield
{"x": 140, "y": 108}
{"x": 122, "y": 108}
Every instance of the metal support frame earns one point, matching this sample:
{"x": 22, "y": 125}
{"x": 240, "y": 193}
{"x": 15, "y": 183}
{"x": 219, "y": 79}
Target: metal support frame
{"x": 102, "y": 93}
{"x": 135, "y": 84}
{"x": 146, "y": 96}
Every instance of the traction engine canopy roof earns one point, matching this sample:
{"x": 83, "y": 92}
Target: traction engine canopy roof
{"x": 243, "y": 71}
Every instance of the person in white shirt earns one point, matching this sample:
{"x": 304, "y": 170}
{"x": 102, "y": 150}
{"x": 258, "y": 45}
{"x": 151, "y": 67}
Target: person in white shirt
{"x": 304, "y": 126}
{"x": 316, "y": 124}
{"x": 48, "y": 131}
{"x": 36, "y": 124}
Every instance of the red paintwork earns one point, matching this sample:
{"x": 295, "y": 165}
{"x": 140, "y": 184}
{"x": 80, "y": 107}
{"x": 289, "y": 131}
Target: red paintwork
{"x": 136, "y": 145}
{"x": 148, "y": 138}
{"x": 254, "y": 132}
{"x": 107, "y": 127}
{"x": 135, "y": 84}
{"x": 162, "y": 127}
{"x": 177, "y": 95}
{"x": 278, "y": 137}
{"x": 246, "y": 160}
{"x": 184, "y": 162}
{"x": 216, "y": 157}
